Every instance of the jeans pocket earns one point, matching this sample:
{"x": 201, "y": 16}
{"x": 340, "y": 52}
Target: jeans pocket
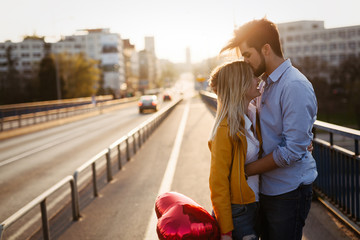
{"x": 238, "y": 210}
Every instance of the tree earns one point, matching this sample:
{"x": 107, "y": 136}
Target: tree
{"x": 348, "y": 77}
{"x": 11, "y": 91}
{"x": 79, "y": 75}
{"x": 47, "y": 78}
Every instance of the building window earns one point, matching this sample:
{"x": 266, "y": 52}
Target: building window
{"x": 314, "y": 48}
{"x": 307, "y": 37}
{"x": 289, "y": 38}
{"x": 324, "y": 36}
{"x": 24, "y": 46}
{"x": 332, "y": 46}
{"x": 323, "y": 47}
{"x": 332, "y": 35}
{"x": 36, "y": 55}
{"x": 25, "y": 55}
{"x": 333, "y": 58}
{"x": 342, "y": 34}
{"x": 352, "y": 45}
{"x": 342, "y": 57}
{"x": 351, "y": 33}
{"x": 342, "y": 46}
{"x": 297, "y": 38}
{"x": 324, "y": 58}
{"x": 25, "y": 63}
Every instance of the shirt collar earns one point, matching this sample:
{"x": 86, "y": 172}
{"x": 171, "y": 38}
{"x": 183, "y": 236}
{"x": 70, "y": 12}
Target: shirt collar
{"x": 248, "y": 122}
{"x": 279, "y": 71}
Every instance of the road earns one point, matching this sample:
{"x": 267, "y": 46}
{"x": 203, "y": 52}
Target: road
{"x": 32, "y": 163}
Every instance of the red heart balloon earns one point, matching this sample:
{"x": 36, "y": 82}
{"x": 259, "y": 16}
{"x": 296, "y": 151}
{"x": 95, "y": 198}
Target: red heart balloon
{"x": 179, "y": 217}
{"x": 166, "y": 200}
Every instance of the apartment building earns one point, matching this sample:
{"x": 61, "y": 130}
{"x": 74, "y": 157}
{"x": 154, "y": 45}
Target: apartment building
{"x": 26, "y": 55}
{"x": 131, "y": 58}
{"x": 102, "y": 45}
{"x": 310, "y": 39}
{"x": 147, "y": 65}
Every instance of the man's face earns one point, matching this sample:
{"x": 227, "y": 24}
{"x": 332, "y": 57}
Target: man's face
{"x": 254, "y": 58}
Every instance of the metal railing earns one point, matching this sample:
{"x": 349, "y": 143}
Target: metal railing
{"x": 135, "y": 138}
{"x": 34, "y": 116}
{"x": 42, "y": 201}
{"x": 338, "y": 181}
{"x": 337, "y": 184}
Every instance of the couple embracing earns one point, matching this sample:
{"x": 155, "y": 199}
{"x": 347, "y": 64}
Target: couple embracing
{"x": 261, "y": 170}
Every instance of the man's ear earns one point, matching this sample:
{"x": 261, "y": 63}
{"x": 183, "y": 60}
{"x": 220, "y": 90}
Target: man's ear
{"x": 266, "y": 49}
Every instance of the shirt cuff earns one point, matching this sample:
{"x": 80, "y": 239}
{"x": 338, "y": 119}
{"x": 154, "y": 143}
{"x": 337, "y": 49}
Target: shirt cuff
{"x": 278, "y": 156}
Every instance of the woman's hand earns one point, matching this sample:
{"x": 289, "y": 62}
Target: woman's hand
{"x": 226, "y": 237}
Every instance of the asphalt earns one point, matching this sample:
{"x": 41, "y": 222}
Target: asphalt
{"x": 125, "y": 206}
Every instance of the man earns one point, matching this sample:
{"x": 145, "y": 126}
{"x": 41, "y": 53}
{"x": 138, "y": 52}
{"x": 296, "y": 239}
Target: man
{"x": 288, "y": 110}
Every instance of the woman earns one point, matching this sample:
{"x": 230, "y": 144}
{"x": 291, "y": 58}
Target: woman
{"x": 234, "y": 142}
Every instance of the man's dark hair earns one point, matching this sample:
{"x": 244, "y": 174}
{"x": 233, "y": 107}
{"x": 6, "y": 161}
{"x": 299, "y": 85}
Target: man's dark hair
{"x": 256, "y": 34}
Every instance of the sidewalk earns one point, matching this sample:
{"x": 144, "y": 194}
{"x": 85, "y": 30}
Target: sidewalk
{"x": 124, "y": 208}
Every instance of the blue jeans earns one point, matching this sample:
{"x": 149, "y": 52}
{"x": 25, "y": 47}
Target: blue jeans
{"x": 283, "y": 216}
{"x": 245, "y": 220}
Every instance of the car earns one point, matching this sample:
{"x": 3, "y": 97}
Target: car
{"x": 148, "y": 102}
{"x": 166, "y": 97}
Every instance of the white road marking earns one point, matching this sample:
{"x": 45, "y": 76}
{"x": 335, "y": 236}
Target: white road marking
{"x": 169, "y": 173}
{"x": 39, "y": 149}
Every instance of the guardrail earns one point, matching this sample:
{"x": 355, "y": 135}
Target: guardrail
{"x": 135, "y": 137}
{"x": 27, "y": 119}
{"x": 337, "y": 184}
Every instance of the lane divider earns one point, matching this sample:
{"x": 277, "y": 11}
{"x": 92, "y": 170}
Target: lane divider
{"x": 169, "y": 172}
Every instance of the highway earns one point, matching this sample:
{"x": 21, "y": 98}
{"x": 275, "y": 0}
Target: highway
{"x": 32, "y": 163}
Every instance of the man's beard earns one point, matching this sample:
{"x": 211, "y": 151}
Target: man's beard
{"x": 261, "y": 69}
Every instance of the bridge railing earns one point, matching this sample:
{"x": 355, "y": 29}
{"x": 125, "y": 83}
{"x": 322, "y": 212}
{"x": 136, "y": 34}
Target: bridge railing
{"x": 129, "y": 143}
{"x": 21, "y": 115}
{"x": 337, "y": 184}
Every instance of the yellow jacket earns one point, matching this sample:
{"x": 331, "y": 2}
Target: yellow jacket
{"x": 224, "y": 192}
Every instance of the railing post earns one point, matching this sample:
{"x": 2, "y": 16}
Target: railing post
{"x": 139, "y": 138}
{"x": 119, "y": 156}
{"x": 108, "y": 165}
{"x": 1, "y": 231}
{"x": 74, "y": 201}
{"x": 127, "y": 149}
{"x": 93, "y": 167}
{"x": 134, "y": 143}
{"x": 331, "y": 139}
{"x": 45, "y": 222}
{"x": 356, "y": 147}
{"x": 76, "y": 195}
{"x": 19, "y": 120}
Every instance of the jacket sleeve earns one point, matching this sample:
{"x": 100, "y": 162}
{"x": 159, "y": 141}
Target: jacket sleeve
{"x": 221, "y": 157}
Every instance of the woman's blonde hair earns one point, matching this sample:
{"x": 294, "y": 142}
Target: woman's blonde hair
{"x": 230, "y": 83}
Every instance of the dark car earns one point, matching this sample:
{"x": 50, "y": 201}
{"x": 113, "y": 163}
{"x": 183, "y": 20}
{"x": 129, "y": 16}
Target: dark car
{"x": 148, "y": 102}
{"x": 166, "y": 97}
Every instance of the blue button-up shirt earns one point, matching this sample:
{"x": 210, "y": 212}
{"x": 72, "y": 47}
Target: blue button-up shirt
{"x": 288, "y": 110}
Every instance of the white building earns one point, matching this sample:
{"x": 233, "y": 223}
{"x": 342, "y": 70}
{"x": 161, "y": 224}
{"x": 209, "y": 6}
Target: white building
{"x": 101, "y": 45}
{"x": 26, "y": 55}
{"x": 312, "y": 40}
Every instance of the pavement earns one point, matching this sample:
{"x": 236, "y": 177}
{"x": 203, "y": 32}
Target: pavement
{"x": 125, "y": 207}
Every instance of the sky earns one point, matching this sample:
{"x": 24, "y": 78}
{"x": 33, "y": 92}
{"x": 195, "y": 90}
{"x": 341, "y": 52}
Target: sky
{"x": 204, "y": 26}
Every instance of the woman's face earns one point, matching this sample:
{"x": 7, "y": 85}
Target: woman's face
{"x": 253, "y": 90}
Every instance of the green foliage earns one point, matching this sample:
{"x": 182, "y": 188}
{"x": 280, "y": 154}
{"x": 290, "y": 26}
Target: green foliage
{"x": 47, "y": 79}
{"x": 79, "y": 75}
